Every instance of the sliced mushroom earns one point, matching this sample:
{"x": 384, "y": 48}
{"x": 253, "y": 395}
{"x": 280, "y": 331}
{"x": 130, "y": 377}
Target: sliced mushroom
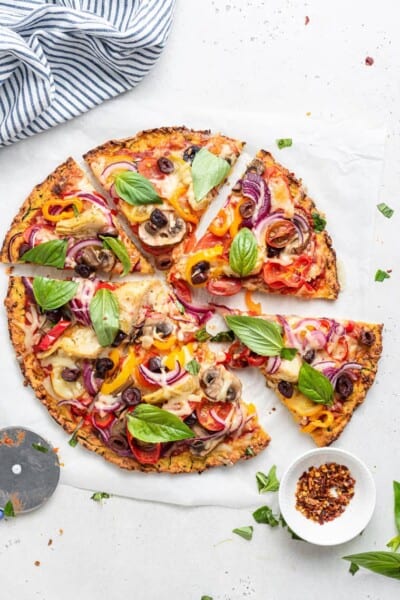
{"x": 68, "y": 390}
{"x": 158, "y": 327}
{"x": 87, "y": 223}
{"x": 164, "y": 228}
{"x": 100, "y": 259}
{"x": 219, "y": 385}
{"x": 256, "y": 166}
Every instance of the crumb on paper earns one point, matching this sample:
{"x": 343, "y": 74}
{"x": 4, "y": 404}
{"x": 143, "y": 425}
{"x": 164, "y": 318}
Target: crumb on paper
{"x": 49, "y": 543}
{"x": 306, "y": 20}
{"x": 37, "y": 563}
{"x": 60, "y": 531}
{"x": 369, "y": 61}
{"x": 308, "y": 114}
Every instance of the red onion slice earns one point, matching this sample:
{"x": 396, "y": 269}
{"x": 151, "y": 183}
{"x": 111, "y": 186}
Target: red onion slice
{"x": 121, "y": 165}
{"x": 255, "y": 188}
{"x": 201, "y": 313}
{"x": 91, "y": 383}
{"x": 346, "y": 368}
{"x": 74, "y": 251}
{"x": 163, "y": 378}
{"x": 273, "y": 364}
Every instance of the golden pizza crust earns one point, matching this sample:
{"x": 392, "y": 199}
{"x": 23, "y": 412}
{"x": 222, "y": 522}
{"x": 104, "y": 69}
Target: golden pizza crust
{"x": 368, "y": 356}
{"x": 66, "y": 178}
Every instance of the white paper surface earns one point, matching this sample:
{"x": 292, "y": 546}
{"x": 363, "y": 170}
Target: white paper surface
{"x": 341, "y": 166}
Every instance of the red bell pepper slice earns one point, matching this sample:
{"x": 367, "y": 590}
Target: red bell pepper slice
{"x": 51, "y": 336}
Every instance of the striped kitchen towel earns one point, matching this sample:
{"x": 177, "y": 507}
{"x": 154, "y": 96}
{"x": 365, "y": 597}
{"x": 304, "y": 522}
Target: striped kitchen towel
{"x": 59, "y": 58}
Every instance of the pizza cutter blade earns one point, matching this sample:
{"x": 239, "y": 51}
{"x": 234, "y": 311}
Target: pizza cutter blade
{"x": 29, "y": 469}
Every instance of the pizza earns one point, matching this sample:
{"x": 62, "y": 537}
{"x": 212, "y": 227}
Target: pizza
{"x": 269, "y": 237}
{"x": 162, "y": 181}
{"x": 323, "y": 372}
{"x": 66, "y": 223}
{"x": 151, "y": 362}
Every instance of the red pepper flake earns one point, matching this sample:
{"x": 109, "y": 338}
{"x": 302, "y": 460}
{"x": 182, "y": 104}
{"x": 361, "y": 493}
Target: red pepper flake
{"x": 369, "y": 61}
{"x": 323, "y": 492}
{"x": 37, "y": 563}
{"x": 306, "y": 20}
{"x": 49, "y": 543}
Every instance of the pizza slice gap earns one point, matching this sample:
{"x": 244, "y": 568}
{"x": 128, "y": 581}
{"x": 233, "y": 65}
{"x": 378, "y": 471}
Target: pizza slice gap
{"x": 65, "y": 223}
{"x": 269, "y": 237}
{"x": 162, "y": 181}
{"x": 93, "y": 351}
{"x": 321, "y": 369}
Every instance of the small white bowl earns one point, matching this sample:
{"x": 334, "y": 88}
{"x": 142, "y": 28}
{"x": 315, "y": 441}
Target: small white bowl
{"x": 357, "y": 513}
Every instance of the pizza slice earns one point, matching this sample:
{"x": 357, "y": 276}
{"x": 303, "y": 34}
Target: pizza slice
{"x": 321, "y": 369}
{"x": 66, "y": 223}
{"x": 269, "y": 237}
{"x": 163, "y": 180}
{"x": 118, "y": 365}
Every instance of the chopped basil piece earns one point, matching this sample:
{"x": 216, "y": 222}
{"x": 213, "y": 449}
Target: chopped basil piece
{"x": 381, "y": 275}
{"x": 208, "y": 171}
{"x": 319, "y": 222}
{"x": 315, "y": 385}
{"x": 51, "y": 294}
{"x": 98, "y": 496}
{"x": 193, "y": 367}
{"x": 40, "y": 448}
{"x": 243, "y": 252}
{"x": 48, "y": 254}
{"x": 120, "y": 251}
{"x": 8, "y": 509}
{"x": 394, "y": 543}
{"x": 151, "y": 424}
{"x": 201, "y": 335}
{"x": 73, "y": 440}
{"x": 206, "y": 598}
{"x": 288, "y": 353}
{"x": 223, "y": 336}
{"x": 249, "y": 451}
{"x": 265, "y": 515}
{"x": 284, "y": 143}
{"x": 244, "y": 532}
{"x": 385, "y": 210}
{"x": 135, "y": 189}
{"x": 267, "y": 483}
{"x": 353, "y": 568}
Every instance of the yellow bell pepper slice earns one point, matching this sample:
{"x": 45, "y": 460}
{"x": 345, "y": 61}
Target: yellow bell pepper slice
{"x": 327, "y": 421}
{"x": 75, "y": 203}
{"x": 183, "y": 356}
{"x": 115, "y": 356}
{"x": 182, "y": 209}
{"x": 207, "y": 254}
{"x": 221, "y": 223}
{"x": 165, "y": 344}
{"x": 237, "y": 219}
{"x": 254, "y": 307}
{"x": 123, "y": 376}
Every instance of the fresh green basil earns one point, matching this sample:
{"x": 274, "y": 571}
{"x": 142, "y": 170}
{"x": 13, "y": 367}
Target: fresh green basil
{"x": 206, "y": 598}
{"x": 193, "y": 367}
{"x": 52, "y": 293}
{"x": 243, "y": 252}
{"x": 315, "y": 385}
{"x": 40, "y": 448}
{"x": 223, "y": 336}
{"x": 261, "y": 336}
{"x": 267, "y": 483}
{"x": 353, "y": 568}
{"x": 48, "y": 254}
{"x": 201, "y": 335}
{"x": 104, "y": 314}
{"x": 394, "y": 543}
{"x": 98, "y": 496}
{"x": 284, "y": 143}
{"x": 288, "y": 353}
{"x": 385, "y": 210}
{"x": 245, "y": 532}
{"x": 265, "y": 515}
{"x": 73, "y": 440}
{"x": 383, "y": 563}
{"x": 208, "y": 170}
{"x": 8, "y": 509}
{"x": 319, "y": 222}
{"x": 120, "y": 251}
{"x": 152, "y": 424}
{"x": 135, "y": 189}
{"x": 381, "y": 275}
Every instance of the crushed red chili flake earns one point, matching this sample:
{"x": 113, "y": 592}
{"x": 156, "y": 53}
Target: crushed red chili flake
{"x": 369, "y": 61}
{"x": 323, "y": 492}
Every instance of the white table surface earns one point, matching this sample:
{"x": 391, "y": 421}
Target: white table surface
{"x": 260, "y": 56}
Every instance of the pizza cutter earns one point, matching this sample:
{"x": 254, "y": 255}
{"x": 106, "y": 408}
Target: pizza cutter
{"x": 29, "y": 469}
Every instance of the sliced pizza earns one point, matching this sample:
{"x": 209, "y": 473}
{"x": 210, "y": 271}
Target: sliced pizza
{"x": 66, "y": 223}
{"x": 321, "y": 369}
{"x": 118, "y": 365}
{"x": 162, "y": 181}
{"x": 269, "y": 237}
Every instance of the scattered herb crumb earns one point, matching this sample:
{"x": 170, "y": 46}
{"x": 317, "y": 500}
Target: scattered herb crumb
{"x": 267, "y": 483}
{"x": 381, "y": 275}
{"x": 40, "y": 448}
{"x": 49, "y": 543}
{"x": 284, "y": 143}
{"x": 319, "y": 222}
{"x": 369, "y": 61}
{"x": 98, "y": 496}
{"x": 60, "y": 531}
{"x": 385, "y": 210}
{"x": 249, "y": 451}
{"x": 244, "y": 532}
{"x": 353, "y": 568}
{"x": 37, "y": 563}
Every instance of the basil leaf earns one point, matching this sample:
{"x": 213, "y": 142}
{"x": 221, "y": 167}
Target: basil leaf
{"x": 394, "y": 543}
{"x": 135, "y": 189}
{"x": 381, "y": 275}
{"x": 8, "y": 509}
{"x": 288, "y": 353}
{"x": 201, "y": 335}
{"x": 315, "y": 385}
{"x": 284, "y": 143}
{"x": 206, "y": 598}
{"x": 243, "y": 252}
{"x": 98, "y": 496}
{"x": 104, "y": 313}
{"x": 265, "y": 515}
{"x": 49, "y": 254}
{"x": 120, "y": 251}
{"x": 152, "y": 424}
{"x": 383, "y": 563}
{"x": 262, "y": 337}
{"x": 73, "y": 440}
{"x": 223, "y": 336}
{"x": 267, "y": 483}
{"x": 193, "y": 367}
{"x": 319, "y": 222}
{"x": 51, "y": 293}
{"x": 353, "y": 568}
{"x": 244, "y": 532}
{"x": 208, "y": 170}
{"x": 385, "y": 210}
{"x": 396, "y": 490}
{"x": 40, "y": 448}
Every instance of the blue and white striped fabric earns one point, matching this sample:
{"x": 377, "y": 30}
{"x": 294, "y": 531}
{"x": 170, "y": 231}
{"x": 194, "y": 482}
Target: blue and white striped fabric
{"x": 59, "y": 58}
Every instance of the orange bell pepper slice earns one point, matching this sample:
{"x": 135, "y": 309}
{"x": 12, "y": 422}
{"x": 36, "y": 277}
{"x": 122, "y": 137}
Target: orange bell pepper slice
{"x": 75, "y": 204}
{"x": 254, "y": 307}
